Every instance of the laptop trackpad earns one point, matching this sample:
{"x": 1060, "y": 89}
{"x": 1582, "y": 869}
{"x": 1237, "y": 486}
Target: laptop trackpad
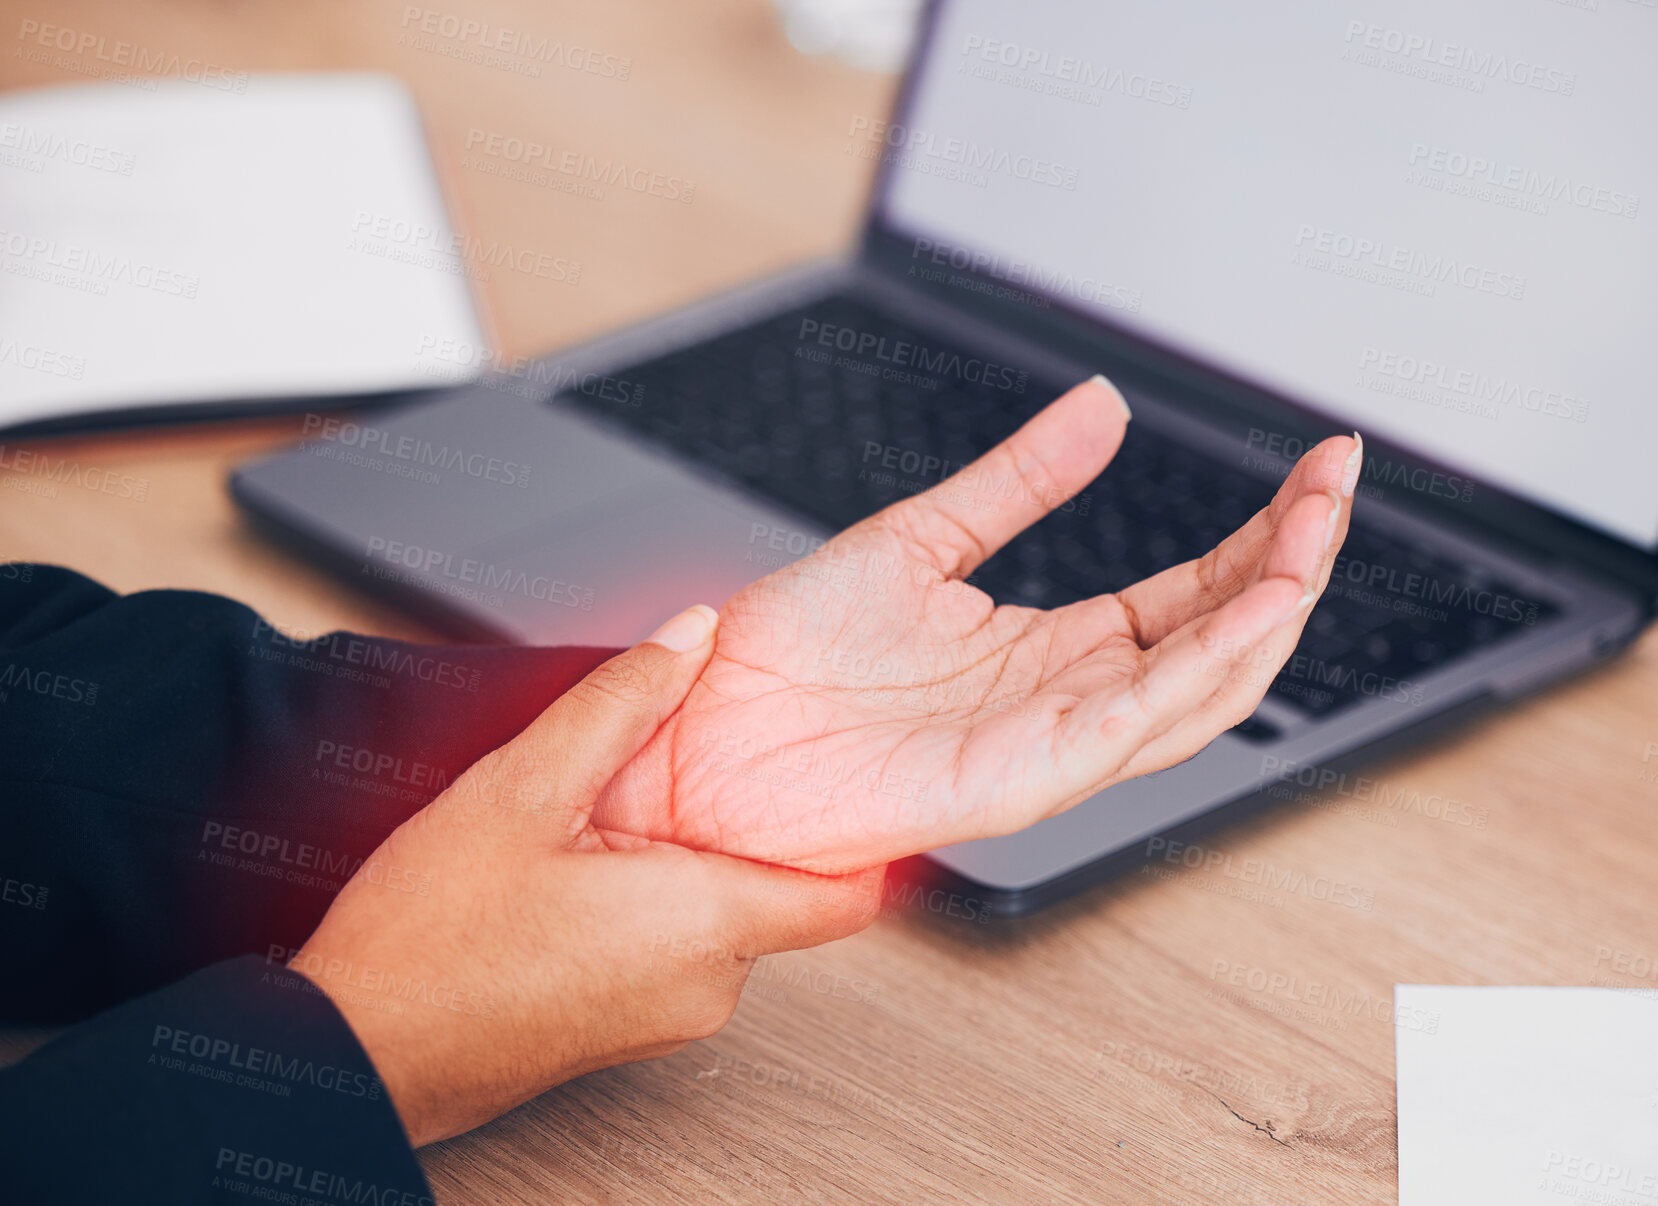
{"x": 610, "y": 576}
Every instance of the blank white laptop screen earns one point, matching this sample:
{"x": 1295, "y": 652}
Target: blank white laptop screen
{"x": 1432, "y": 219}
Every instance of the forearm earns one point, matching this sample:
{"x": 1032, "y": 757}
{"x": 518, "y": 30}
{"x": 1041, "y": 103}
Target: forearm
{"x": 185, "y": 784}
{"x": 241, "y": 1079}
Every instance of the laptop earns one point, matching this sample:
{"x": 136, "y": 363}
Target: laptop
{"x": 1433, "y": 223}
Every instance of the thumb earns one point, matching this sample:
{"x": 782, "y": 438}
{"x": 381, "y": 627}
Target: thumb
{"x": 771, "y": 909}
{"x": 568, "y": 753}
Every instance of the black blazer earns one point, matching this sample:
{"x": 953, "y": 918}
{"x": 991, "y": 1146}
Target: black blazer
{"x": 183, "y": 790}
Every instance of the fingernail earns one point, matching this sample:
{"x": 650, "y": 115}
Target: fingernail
{"x": 1350, "y": 471}
{"x": 686, "y": 631}
{"x": 1335, "y": 516}
{"x": 1101, "y": 379}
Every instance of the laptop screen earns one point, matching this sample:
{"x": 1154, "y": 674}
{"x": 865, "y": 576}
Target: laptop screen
{"x": 1432, "y": 219}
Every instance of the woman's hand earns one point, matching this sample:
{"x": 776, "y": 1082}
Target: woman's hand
{"x": 497, "y": 943}
{"x": 980, "y": 719}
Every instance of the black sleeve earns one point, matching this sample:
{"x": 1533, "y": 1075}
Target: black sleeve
{"x": 181, "y": 783}
{"x": 239, "y": 1084}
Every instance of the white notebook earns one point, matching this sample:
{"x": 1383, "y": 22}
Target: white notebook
{"x": 283, "y": 237}
{"x": 1527, "y": 1096}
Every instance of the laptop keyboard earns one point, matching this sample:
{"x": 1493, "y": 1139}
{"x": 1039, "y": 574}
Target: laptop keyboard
{"x": 837, "y": 409}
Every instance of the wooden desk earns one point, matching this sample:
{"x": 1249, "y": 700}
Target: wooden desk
{"x": 1180, "y": 1036}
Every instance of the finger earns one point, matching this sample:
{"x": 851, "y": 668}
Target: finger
{"x": 1165, "y": 602}
{"x": 1241, "y": 693}
{"x": 955, "y": 526}
{"x": 568, "y": 753}
{"x": 1098, "y": 737}
{"x": 1304, "y": 543}
{"x": 768, "y": 909}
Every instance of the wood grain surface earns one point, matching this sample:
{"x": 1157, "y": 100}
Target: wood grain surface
{"x": 1183, "y": 1035}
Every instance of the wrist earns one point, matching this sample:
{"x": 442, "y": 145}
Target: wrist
{"x": 376, "y": 1031}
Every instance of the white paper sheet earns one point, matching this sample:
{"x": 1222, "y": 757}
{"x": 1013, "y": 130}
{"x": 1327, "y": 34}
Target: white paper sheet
{"x": 193, "y": 243}
{"x": 1527, "y": 1096}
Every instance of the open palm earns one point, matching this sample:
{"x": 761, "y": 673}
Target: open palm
{"x": 866, "y": 703}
